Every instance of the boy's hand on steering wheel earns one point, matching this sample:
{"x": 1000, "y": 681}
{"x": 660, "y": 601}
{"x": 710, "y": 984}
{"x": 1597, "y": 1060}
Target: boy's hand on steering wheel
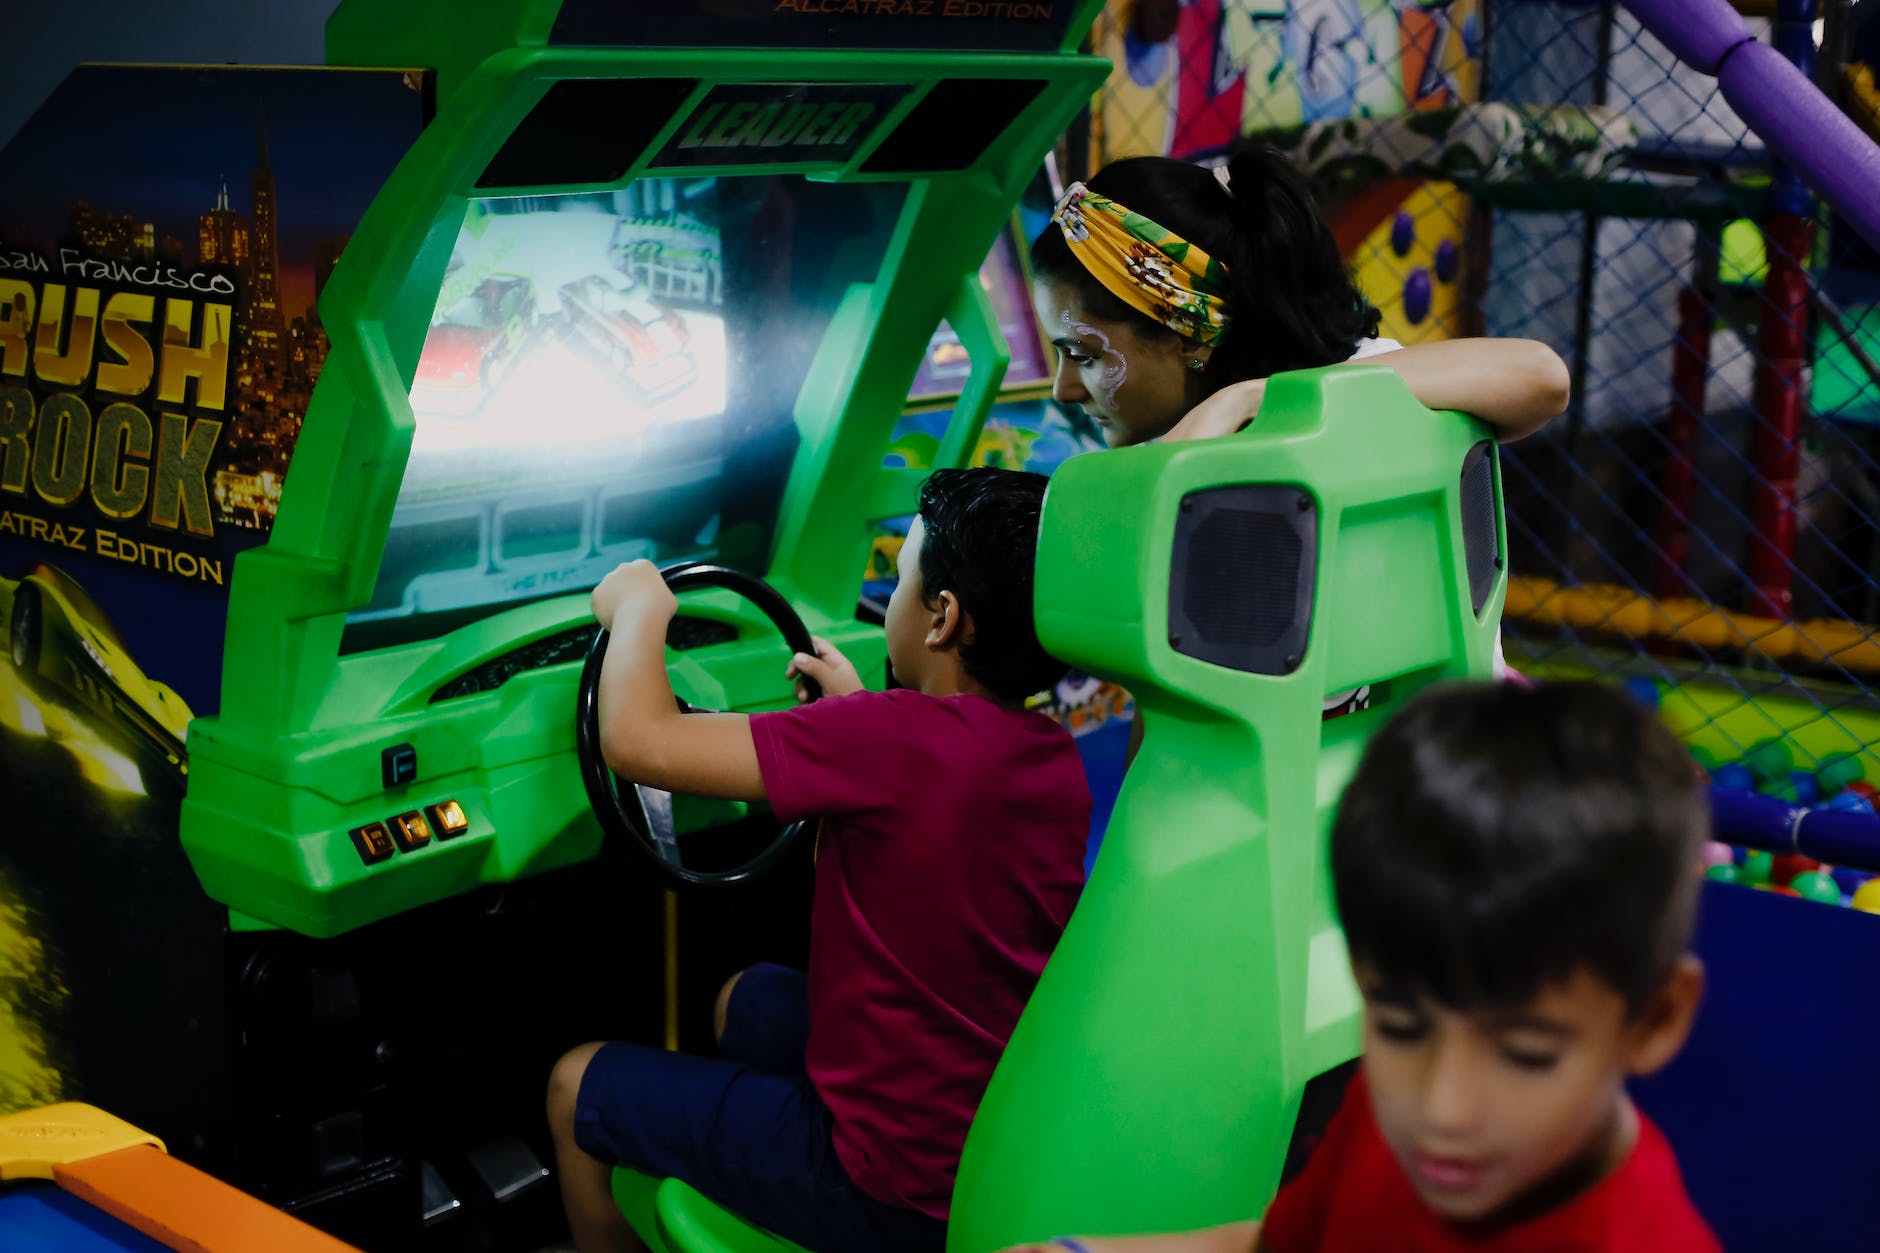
{"x": 635, "y": 589}
{"x": 828, "y": 667}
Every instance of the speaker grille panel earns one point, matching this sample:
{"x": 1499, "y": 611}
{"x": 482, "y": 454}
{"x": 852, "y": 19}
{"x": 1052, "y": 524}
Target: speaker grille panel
{"x": 1481, "y": 534}
{"x": 1241, "y": 576}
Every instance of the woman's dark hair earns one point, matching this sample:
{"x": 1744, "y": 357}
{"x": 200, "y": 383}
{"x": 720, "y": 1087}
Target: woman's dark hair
{"x": 1292, "y": 303}
{"x": 980, "y": 543}
{"x": 1495, "y": 839}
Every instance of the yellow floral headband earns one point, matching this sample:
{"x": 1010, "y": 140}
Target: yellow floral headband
{"x": 1152, "y": 270}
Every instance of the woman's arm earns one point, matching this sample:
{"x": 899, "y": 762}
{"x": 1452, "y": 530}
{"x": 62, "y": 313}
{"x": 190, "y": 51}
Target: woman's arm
{"x": 1233, "y": 1238}
{"x": 1514, "y": 385}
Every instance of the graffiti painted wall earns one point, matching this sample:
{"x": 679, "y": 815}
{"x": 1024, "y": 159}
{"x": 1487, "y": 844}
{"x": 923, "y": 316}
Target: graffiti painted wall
{"x": 1228, "y": 68}
{"x": 1222, "y": 70}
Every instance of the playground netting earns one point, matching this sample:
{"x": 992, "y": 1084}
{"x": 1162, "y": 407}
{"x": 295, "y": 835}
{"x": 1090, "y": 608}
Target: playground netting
{"x": 1703, "y": 516}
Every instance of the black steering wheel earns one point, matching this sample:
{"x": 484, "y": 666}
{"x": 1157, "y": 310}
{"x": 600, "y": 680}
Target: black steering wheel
{"x": 640, "y": 816}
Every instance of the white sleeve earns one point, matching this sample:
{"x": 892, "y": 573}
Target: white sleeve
{"x": 1373, "y": 347}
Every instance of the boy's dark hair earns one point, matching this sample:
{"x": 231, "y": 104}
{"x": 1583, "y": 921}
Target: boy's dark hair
{"x": 981, "y": 541}
{"x": 1293, "y": 304}
{"x": 1495, "y": 839}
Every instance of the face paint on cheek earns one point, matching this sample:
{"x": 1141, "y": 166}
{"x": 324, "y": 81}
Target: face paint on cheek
{"x": 1115, "y": 364}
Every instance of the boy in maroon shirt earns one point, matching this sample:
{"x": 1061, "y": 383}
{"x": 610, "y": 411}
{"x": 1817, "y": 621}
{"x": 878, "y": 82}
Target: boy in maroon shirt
{"x": 951, "y": 854}
{"x": 1516, "y": 870}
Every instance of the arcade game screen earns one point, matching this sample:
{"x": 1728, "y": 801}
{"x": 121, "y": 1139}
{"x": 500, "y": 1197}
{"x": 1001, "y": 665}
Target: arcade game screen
{"x": 612, "y": 376}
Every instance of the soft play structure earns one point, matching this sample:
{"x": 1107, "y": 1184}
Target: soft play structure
{"x": 74, "y": 1179}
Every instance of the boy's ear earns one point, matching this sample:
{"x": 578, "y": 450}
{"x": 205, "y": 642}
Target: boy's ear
{"x": 947, "y": 625}
{"x": 1664, "y": 1024}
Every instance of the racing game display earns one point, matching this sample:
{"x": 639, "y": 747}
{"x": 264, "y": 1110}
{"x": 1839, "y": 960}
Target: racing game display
{"x": 607, "y": 377}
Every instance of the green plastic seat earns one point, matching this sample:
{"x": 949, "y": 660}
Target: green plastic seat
{"x": 674, "y": 1217}
{"x": 1350, "y": 537}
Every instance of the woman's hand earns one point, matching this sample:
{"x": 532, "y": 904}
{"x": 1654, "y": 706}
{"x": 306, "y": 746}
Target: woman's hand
{"x": 1223, "y": 413}
{"x": 828, "y": 667}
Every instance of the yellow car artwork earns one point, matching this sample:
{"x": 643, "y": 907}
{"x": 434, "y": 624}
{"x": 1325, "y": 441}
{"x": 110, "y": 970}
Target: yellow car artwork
{"x": 56, "y": 632}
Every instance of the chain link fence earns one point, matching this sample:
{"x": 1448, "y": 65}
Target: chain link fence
{"x": 1701, "y": 521}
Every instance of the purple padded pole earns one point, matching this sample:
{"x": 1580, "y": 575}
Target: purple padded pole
{"x": 1698, "y": 32}
{"x": 1801, "y": 126}
{"x": 1754, "y": 821}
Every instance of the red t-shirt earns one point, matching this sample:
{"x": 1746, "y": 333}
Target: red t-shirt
{"x": 951, "y": 854}
{"x": 1353, "y": 1195}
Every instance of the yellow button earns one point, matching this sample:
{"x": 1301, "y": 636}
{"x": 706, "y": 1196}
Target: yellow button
{"x": 448, "y": 819}
{"x": 373, "y": 841}
{"x": 411, "y": 831}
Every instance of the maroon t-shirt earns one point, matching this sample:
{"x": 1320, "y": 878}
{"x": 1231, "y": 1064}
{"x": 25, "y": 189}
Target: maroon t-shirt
{"x": 1353, "y": 1195}
{"x": 951, "y": 853}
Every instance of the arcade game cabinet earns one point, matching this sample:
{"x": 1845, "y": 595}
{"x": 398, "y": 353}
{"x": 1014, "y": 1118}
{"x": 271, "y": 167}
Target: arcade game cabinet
{"x": 653, "y": 280}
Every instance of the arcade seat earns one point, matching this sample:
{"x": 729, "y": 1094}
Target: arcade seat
{"x": 672, "y": 1216}
{"x": 1349, "y": 538}
{"x": 73, "y": 1179}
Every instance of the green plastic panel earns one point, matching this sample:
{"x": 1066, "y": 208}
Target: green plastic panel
{"x": 1155, "y": 1077}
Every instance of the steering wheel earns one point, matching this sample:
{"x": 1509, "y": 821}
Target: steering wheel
{"x": 641, "y": 816}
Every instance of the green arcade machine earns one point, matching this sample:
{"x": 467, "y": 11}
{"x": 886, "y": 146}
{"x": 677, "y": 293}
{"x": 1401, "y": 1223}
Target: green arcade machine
{"x": 653, "y": 281}
{"x": 728, "y": 262}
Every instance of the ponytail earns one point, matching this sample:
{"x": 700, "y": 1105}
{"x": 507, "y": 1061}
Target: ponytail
{"x": 1293, "y": 304}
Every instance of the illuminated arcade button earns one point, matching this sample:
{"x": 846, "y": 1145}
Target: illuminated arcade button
{"x": 447, "y": 819}
{"x": 411, "y": 831}
{"x": 373, "y": 841}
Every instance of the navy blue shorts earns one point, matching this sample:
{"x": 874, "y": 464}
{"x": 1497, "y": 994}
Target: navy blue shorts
{"x": 747, "y": 1128}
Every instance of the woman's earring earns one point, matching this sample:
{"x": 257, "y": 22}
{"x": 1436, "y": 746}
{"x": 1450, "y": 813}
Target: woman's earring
{"x": 1196, "y": 363}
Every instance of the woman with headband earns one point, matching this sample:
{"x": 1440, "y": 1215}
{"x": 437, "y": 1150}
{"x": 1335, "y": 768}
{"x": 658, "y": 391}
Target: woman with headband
{"x": 1172, "y": 295}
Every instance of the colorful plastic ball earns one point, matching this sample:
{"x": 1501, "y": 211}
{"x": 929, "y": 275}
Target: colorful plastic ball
{"x": 1851, "y": 880}
{"x": 1718, "y": 854}
{"x": 1784, "y": 867}
{"x": 1837, "y": 770}
{"x": 1403, "y": 233}
{"x": 1779, "y": 889}
{"x": 1770, "y": 760}
{"x": 1848, "y": 803}
{"x": 1817, "y": 886}
{"x": 1704, "y": 757}
{"x": 1448, "y": 261}
{"x": 1734, "y": 775}
{"x": 1803, "y": 783}
{"x": 1416, "y": 295}
{"x": 1755, "y": 867}
{"x": 1145, "y": 61}
{"x": 1725, "y": 873}
{"x": 1867, "y": 897}
{"x": 1864, "y": 788}
{"x": 1642, "y": 690}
